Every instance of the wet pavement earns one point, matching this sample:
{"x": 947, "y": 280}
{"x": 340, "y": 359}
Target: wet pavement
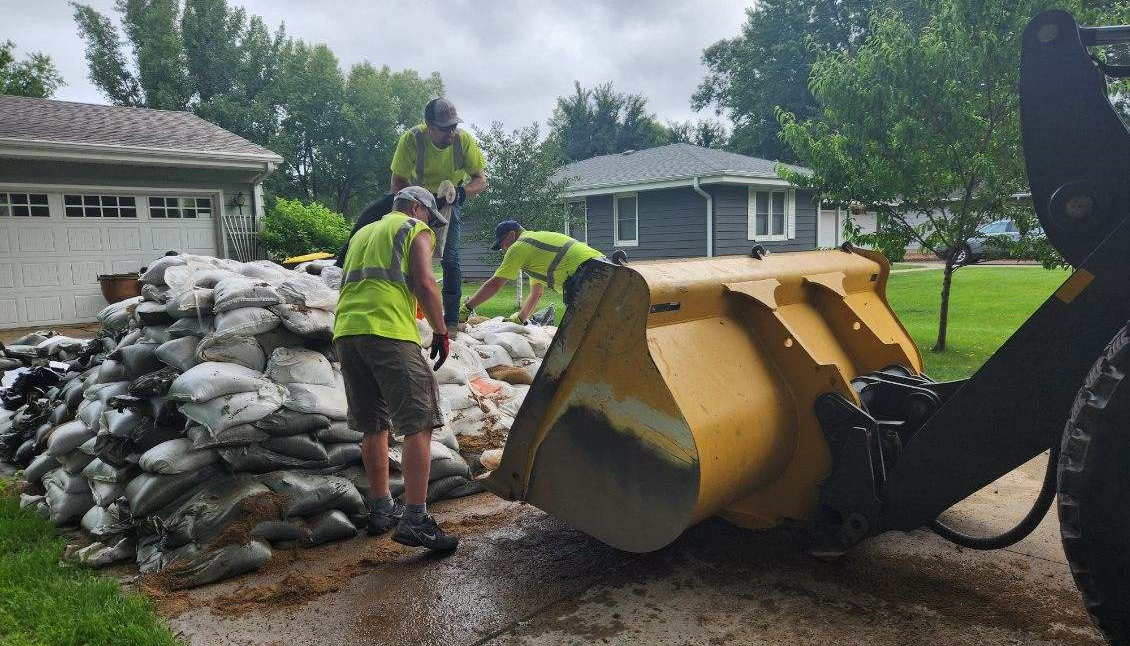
{"x": 521, "y": 577}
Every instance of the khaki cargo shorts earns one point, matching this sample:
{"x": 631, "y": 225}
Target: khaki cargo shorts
{"x": 388, "y": 385}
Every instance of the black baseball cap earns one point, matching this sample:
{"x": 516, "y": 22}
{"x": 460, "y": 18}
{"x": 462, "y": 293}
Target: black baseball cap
{"x": 503, "y": 228}
{"x": 441, "y": 113}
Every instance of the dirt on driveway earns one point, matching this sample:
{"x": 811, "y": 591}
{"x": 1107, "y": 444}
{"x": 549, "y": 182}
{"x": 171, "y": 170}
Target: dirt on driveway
{"x": 521, "y": 577}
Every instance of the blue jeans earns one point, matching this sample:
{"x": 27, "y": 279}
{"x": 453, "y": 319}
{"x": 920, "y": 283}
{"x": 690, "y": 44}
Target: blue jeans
{"x": 452, "y": 273}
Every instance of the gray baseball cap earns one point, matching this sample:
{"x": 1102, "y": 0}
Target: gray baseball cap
{"x": 441, "y": 112}
{"x": 421, "y": 195}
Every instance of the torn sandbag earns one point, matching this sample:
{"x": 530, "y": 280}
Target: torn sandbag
{"x": 153, "y": 384}
{"x": 149, "y": 492}
{"x": 214, "y": 506}
{"x": 246, "y": 321}
{"x": 298, "y": 365}
{"x": 176, "y": 456}
{"x": 244, "y": 350}
{"x": 155, "y": 293}
{"x": 103, "y": 522}
{"x": 241, "y": 408}
{"x": 213, "y": 379}
{"x": 329, "y": 526}
{"x": 150, "y": 313}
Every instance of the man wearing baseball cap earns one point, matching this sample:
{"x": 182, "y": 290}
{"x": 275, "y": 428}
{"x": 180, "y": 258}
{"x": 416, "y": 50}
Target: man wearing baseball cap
{"x": 425, "y": 156}
{"x": 388, "y": 385}
{"x": 551, "y": 259}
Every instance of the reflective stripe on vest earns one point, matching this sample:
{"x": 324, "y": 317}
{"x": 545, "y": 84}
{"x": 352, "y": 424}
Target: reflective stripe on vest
{"x": 560, "y": 251}
{"x": 421, "y": 151}
{"x": 395, "y": 273}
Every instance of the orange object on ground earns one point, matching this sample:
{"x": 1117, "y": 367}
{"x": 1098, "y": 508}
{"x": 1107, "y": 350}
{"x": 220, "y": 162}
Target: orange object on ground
{"x": 483, "y": 388}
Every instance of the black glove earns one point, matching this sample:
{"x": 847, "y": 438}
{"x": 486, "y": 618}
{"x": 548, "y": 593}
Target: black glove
{"x": 460, "y": 195}
{"x": 441, "y": 347}
{"x": 441, "y": 201}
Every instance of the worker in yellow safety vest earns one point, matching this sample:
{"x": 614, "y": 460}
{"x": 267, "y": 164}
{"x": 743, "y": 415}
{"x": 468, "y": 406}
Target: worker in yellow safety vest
{"x": 389, "y": 386}
{"x": 551, "y": 259}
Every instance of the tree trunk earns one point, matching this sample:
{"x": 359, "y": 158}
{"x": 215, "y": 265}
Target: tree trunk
{"x": 944, "y": 314}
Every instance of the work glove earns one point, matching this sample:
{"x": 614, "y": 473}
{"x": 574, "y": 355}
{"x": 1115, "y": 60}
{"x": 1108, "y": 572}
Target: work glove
{"x": 516, "y": 317}
{"x": 460, "y": 195}
{"x": 464, "y": 312}
{"x": 441, "y": 347}
{"x": 441, "y": 200}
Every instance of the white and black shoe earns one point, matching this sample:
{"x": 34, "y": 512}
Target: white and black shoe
{"x": 424, "y": 533}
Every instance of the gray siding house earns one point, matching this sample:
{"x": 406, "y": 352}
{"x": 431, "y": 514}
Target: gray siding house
{"x": 95, "y": 189}
{"x": 678, "y": 201}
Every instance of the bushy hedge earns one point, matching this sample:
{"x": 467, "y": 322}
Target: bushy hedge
{"x": 293, "y": 229}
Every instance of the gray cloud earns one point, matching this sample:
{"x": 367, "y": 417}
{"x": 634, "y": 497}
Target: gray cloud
{"x": 506, "y": 61}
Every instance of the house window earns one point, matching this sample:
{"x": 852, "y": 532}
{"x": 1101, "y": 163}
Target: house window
{"x": 577, "y": 222}
{"x": 99, "y": 206}
{"x": 168, "y": 208}
{"x": 24, "y": 205}
{"x": 772, "y": 214}
{"x": 625, "y": 220}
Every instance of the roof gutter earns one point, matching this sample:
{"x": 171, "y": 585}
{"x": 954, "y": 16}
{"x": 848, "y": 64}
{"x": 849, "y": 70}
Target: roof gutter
{"x": 30, "y": 149}
{"x": 709, "y": 216}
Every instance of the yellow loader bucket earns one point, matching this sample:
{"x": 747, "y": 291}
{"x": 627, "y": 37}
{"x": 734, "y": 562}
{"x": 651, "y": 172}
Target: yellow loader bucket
{"x": 677, "y": 390}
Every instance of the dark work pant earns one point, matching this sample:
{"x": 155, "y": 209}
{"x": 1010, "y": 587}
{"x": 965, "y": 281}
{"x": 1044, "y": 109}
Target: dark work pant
{"x": 452, "y": 273}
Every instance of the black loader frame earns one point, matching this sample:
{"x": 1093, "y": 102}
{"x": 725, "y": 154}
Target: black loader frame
{"x": 915, "y": 448}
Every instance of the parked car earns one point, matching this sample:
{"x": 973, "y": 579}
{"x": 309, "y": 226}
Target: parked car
{"x": 991, "y": 242}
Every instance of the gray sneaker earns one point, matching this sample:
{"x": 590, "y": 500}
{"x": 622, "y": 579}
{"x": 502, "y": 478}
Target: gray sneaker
{"x": 382, "y": 521}
{"x": 425, "y": 533}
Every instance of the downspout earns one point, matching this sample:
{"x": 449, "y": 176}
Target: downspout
{"x": 709, "y": 217}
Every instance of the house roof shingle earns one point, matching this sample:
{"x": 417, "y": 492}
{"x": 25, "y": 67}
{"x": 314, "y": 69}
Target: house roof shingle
{"x": 86, "y": 124}
{"x": 670, "y": 162}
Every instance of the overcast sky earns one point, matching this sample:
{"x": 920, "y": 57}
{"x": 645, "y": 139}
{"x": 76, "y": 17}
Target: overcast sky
{"x": 500, "y": 60}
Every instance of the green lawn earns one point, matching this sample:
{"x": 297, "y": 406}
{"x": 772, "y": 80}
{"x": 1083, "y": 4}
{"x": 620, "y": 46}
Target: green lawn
{"x": 987, "y": 304}
{"x": 43, "y": 603}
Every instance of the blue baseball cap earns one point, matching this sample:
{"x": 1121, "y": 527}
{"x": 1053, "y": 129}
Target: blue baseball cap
{"x": 502, "y": 229}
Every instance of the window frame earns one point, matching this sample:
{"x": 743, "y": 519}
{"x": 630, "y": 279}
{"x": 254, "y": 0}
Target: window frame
{"x": 789, "y": 214}
{"x": 180, "y": 207}
{"x": 568, "y": 220}
{"x": 8, "y": 205}
{"x": 101, "y": 206}
{"x": 617, "y": 241}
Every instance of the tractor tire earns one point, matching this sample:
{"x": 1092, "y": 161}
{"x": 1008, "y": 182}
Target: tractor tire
{"x": 1094, "y": 491}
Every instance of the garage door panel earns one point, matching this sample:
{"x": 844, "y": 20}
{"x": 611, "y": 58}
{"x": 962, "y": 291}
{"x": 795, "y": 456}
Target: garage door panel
{"x": 200, "y": 239}
{"x": 166, "y": 239}
{"x": 44, "y": 308}
{"x": 35, "y": 239}
{"x": 125, "y": 239}
{"x": 84, "y": 239}
{"x": 41, "y": 274}
{"x": 127, "y": 266}
{"x": 8, "y": 311}
{"x": 5, "y": 245}
{"x": 85, "y": 273}
{"x": 7, "y": 275}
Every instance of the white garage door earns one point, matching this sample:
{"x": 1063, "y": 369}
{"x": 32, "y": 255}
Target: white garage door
{"x": 55, "y": 243}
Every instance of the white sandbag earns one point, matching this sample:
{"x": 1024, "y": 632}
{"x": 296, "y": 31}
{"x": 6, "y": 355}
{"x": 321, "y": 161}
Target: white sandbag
{"x": 425, "y": 331}
{"x": 323, "y": 400}
{"x": 238, "y": 292}
{"x": 193, "y": 302}
{"x": 305, "y": 321}
{"x": 155, "y": 272}
{"x": 179, "y": 353}
{"x": 244, "y": 350}
{"x": 68, "y": 437}
{"x": 493, "y": 355}
{"x": 99, "y": 554}
{"x": 246, "y": 321}
{"x": 456, "y": 397}
{"x": 279, "y": 337}
{"x": 264, "y": 270}
{"x": 331, "y": 277}
{"x": 149, "y": 492}
{"x": 516, "y": 345}
{"x": 176, "y": 456}
{"x": 102, "y": 522}
{"x": 298, "y": 365}
{"x": 307, "y": 290}
{"x": 213, "y": 379}
{"x": 198, "y": 326}
{"x": 539, "y": 338}
{"x": 241, "y": 408}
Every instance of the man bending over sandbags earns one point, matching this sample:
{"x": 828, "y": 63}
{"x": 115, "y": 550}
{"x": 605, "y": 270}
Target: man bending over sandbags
{"x": 551, "y": 259}
{"x": 388, "y": 384}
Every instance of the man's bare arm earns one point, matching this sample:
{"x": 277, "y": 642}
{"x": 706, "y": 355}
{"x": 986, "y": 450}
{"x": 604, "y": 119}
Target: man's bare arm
{"x": 397, "y": 183}
{"x": 476, "y": 185}
{"x": 489, "y": 289}
{"x": 422, "y": 282}
{"x": 536, "y": 290}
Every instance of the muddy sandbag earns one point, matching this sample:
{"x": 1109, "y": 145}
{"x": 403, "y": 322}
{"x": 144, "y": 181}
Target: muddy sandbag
{"x": 468, "y": 488}
{"x": 155, "y": 293}
{"x": 215, "y": 565}
{"x": 90, "y": 412}
{"x": 305, "y": 321}
{"x": 149, "y": 492}
{"x": 124, "y": 424}
{"x": 516, "y": 345}
{"x": 179, "y": 353}
{"x": 99, "y": 554}
{"x": 511, "y": 374}
{"x": 156, "y": 333}
{"x": 176, "y": 456}
{"x": 241, "y": 408}
{"x": 139, "y": 358}
{"x": 446, "y": 462}
{"x": 343, "y": 454}
{"x": 285, "y": 422}
{"x": 213, "y": 379}
{"x": 323, "y": 400}
{"x": 446, "y": 437}
{"x": 68, "y": 497}
{"x": 338, "y": 432}
{"x": 105, "y": 493}
{"x": 241, "y": 292}
{"x": 198, "y": 326}
{"x": 194, "y": 302}
{"x": 298, "y": 365}
{"x": 292, "y": 533}
{"x": 308, "y": 291}
{"x": 153, "y": 384}
{"x": 441, "y": 489}
{"x": 149, "y": 437}
{"x": 302, "y": 447}
{"x": 110, "y": 371}
{"x": 101, "y": 471}
{"x": 215, "y": 506}
{"x": 102, "y": 522}
{"x": 246, "y": 321}
{"x": 74, "y": 461}
{"x": 116, "y": 316}
{"x": 237, "y": 435}
{"x": 279, "y": 337}
{"x": 40, "y": 466}
{"x": 150, "y": 313}
{"x": 256, "y": 458}
{"x": 264, "y": 270}
{"x": 493, "y": 355}
{"x": 308, "y": 494}
{"x": 155, "y": 273}
{"x": 244, "y": 350}
{"x": 68, "y": 437}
